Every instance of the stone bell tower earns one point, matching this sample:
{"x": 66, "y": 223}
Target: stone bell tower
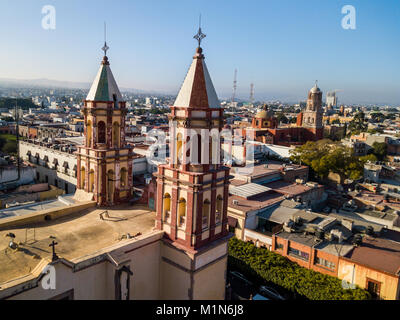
{"x": 312, "y": 115}
{"x": 104, "y": 161}
{"x": 192, "y": 189}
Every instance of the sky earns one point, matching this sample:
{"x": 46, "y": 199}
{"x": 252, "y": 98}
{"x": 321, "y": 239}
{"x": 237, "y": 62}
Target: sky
{"x": 282, "y": 46}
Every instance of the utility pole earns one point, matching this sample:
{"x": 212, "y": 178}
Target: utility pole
{"x": 251, "y": 93}
{"x": 234, "y": 87}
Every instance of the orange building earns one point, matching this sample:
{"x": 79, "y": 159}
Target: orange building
{"x": 308, "y": 127}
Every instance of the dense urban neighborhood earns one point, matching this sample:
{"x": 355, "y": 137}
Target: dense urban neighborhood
{"x": 108, "y": 193}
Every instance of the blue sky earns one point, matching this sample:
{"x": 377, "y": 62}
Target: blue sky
{"x": 282, "y": 46}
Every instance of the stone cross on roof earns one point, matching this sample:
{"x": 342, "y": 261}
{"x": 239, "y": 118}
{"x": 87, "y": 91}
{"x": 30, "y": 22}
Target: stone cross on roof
{"x": 105, "y": 47}
{"x": 199, "y": 35}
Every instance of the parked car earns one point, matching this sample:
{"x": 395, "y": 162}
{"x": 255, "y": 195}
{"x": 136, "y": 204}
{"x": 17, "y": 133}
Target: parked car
{"x": 242, "y": 288}
{"x": 270, "y": 293}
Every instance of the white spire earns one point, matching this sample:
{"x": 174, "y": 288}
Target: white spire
{"x": 197, "y": 90}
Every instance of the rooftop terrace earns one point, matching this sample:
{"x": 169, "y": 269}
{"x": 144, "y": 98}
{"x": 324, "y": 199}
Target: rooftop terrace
{"x": 77, "y": 235}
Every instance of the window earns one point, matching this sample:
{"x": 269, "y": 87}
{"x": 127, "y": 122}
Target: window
{"x": 89, "y": 134}
{"x": 102, "y": 132}
{"x": 91, "y": 180}
{"x": 299, "y": 254}
{"x": 115, "y": 101}
{"x": 279, "y": 246}
{"x": 218, "y": 212}
{"x": 116, "y": 134}
{"x": 374, "y": 287}
{"x": 83, "y": 177}
{"x": 206, "y": 214}
{"x": 325, "y": 263}
{"x": 167, "y": 206}
{"x": 179, "y": 147}
{"x": 182, "y": 212}
{"x": 123, "y": 177}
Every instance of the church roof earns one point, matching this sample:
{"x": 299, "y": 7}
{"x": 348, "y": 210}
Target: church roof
{"x": 315, "y": 89}
{"x": 265, "y": 113}
{"x": 197, "y": 90}
{"x": 104, "y": 86}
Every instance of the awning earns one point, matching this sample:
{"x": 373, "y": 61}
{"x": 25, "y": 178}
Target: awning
{"x": 232, "y": 222}
{"x": 28, "y": 153}
{"x": 46, "y": 158}
{"x": 65, "y": 165}
{"x": 55, "y": 161}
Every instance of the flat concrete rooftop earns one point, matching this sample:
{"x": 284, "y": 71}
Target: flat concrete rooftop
{"x": 77, "y": 235}
{"x": 20, "y": 210}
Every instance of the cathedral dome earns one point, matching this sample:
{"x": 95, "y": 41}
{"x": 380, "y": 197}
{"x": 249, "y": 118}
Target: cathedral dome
{"x": 315, "y": 89}
{"x": 262, "y": 114}
{"x": 265, "y": 113}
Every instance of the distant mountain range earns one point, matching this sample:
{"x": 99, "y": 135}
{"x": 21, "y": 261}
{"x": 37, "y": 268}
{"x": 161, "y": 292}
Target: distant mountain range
{"x": 56, "y": 84}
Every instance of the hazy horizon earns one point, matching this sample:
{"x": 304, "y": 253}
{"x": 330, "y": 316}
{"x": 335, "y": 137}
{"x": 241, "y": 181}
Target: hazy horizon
{"x": 280, "y": 46}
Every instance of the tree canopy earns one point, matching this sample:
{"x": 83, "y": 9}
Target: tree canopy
{"x": 358, "y": 124}
{"x": 325, "y": 156}
{"x": 264, "y": 266}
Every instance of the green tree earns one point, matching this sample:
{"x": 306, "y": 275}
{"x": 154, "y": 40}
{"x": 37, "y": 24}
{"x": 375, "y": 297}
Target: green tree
{"x": 325, "y": 156}
{"x": 263, "y": 267}
{"x": 358, "y": 124}
{"x": 10, "y": 147}
{"x": 379, "y": 149}
{"x": 282, "y": 118}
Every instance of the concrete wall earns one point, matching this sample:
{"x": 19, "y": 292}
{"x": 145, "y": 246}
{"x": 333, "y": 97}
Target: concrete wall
{"x": 59, "y": 177}
{"x": 28, "y": 175}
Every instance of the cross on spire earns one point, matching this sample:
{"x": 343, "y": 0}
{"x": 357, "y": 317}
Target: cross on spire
{"x": 53, "y": 245}
{"x": 105, "y": 47}
{"x": 199, "y": 35}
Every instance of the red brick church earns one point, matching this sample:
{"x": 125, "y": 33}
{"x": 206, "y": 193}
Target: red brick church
{"x": 308, "y": 127}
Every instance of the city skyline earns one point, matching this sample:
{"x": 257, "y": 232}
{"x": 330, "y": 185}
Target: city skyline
{"x": 147, "y": 50}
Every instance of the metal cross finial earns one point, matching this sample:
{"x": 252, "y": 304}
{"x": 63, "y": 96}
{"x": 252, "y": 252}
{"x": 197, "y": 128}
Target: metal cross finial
{"x": 53, "y": 244}
{"x": 199, "y": 35}
{"x": 316, "y": 83}
{"x": 105, "y": 48}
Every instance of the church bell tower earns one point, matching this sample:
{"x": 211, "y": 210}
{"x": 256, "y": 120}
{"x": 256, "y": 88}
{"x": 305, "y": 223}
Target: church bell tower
{"x": 104, "y": 161}
{"x": 192, "y": 191}
{"x": 312, "y": 115}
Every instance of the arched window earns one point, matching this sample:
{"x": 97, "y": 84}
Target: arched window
{"x": 89, "y": 133}
{"x": 218, "y": 212}
{"x": 179, "y": 148}
{"x": 83, "y": 177}
{"x": 91, "y": 180}
{"x": 116, "y": 135}
{"x": 181, "y": 212}
{"x": 102, "y": 132}
{"x": 123, "y": 179}
{"x": 206, "y": 214}
{"x": 167, "y": 206}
